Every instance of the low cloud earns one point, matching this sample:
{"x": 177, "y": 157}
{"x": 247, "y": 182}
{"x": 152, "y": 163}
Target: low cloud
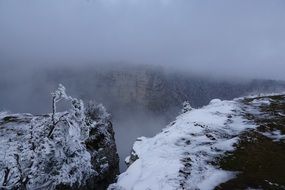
{"x": 224, "y": 37}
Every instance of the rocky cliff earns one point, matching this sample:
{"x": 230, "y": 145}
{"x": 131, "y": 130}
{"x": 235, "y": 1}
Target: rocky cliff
{"x": 154, "y": 89}
{"x": 74, "y": 149}
{"x": 126, "y": 87}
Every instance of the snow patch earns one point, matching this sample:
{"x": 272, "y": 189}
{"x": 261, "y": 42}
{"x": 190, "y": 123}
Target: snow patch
{"x": 265, "y": 101}
{"x": 275, "y": 135}
{"x": 215, "y": 101}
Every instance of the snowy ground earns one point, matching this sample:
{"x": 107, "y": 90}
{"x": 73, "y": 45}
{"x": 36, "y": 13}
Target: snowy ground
{"x": 182, "y": 155}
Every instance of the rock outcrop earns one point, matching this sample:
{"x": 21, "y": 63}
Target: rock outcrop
{"x": 65, "y": 150}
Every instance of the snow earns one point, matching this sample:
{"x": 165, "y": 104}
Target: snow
{"x": 254, "y": 95}
{"x": 3, "y": 114}
{"x": 215, "y": 101}
{"x": 215, "y": 178}
{"x": 29, "y": 160}
{"x": 265, "y": 101}
{"x": 180, "y": 156}
{"x": 275, "y": 135}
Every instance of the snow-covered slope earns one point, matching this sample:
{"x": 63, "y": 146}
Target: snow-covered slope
{"x": 69, "y": 150}
{"x": 183, "y": 155}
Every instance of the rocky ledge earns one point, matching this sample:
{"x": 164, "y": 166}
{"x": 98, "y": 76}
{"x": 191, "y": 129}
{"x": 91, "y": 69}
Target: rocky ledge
{"x": 74, "y": 149}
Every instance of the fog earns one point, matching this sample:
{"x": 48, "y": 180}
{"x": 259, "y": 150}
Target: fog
{"x": 232, "y": 38}
{"x": 224, "y": 39}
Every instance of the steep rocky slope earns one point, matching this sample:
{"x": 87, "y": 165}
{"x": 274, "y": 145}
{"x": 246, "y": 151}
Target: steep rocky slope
{"x": 153, "y": 88}
{"x": 235, "y": 144}
{"x": 63, "y": 150}
{"x": 125, "y": 88}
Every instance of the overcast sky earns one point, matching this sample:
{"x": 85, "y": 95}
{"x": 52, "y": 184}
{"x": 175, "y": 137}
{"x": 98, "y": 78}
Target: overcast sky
{"x": 243, "y": 38}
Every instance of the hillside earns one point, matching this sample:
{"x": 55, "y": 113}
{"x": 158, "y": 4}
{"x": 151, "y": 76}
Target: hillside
{"x": 236, "y": 144}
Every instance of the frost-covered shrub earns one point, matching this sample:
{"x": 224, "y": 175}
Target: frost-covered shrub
{"x": 186, "y": 107}
{"x": 44, "y": 152}
{"x": 96, "y": 112}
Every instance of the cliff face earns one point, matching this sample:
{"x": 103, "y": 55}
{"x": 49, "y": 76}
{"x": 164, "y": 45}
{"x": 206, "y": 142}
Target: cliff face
{"x": 65, "y": 150}
{"x": 130, "y": 86}
{"x": 126, "y": 87}
{"x": 154, "y": 89}
{"x": 236, "y": 144}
